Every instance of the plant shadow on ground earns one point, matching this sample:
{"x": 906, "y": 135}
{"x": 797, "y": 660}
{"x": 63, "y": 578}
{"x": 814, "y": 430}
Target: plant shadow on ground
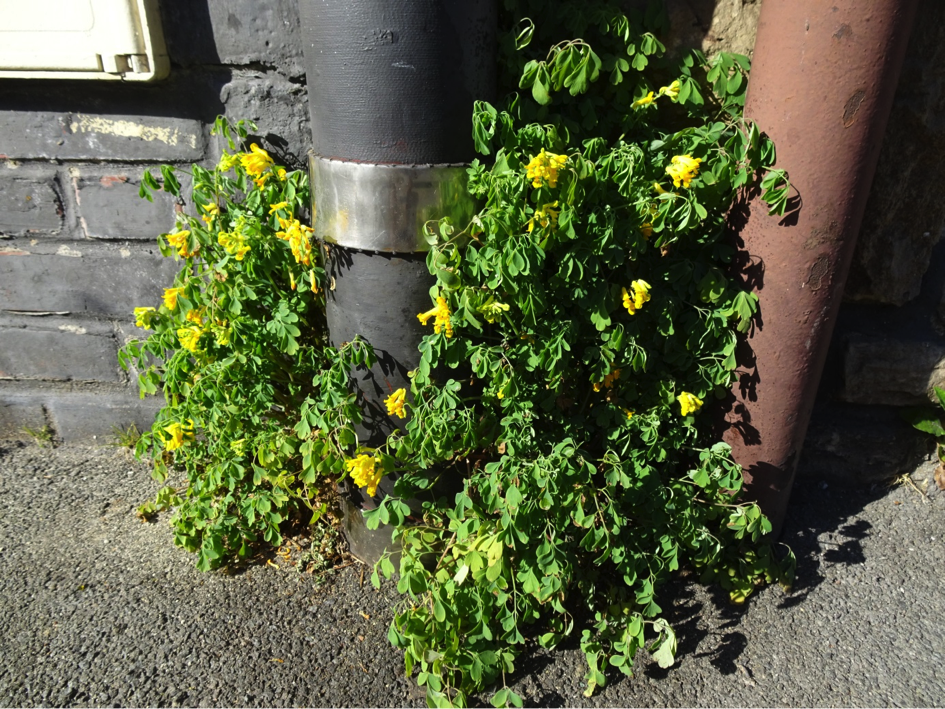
{"x": 814, "y": 511}
{"x": 706, "y": 623}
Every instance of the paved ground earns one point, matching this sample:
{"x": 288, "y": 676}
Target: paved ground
{"x": 97, "y": 608}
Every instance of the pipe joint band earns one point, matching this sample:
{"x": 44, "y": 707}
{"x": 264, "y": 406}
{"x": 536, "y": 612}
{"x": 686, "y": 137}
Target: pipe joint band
{"x": 384, "y": 207}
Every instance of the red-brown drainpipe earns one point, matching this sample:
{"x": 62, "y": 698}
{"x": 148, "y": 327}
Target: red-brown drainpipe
{"x": 822, "y": 84}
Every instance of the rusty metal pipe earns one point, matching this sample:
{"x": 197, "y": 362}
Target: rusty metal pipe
{"x": 822, "y": 84}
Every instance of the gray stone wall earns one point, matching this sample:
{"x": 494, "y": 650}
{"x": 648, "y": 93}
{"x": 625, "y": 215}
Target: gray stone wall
{"x": 77, "y": 244}
{"x": 77, "y": 248}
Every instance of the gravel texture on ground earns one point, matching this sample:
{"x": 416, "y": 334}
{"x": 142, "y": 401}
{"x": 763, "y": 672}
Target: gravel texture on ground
{"x": 100, "y": 609}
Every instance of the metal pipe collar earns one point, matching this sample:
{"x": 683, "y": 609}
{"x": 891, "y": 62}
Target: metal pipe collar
{"x": 384, "y": 207}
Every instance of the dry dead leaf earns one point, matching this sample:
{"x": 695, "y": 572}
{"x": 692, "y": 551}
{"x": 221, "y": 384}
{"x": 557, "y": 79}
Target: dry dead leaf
{"x": 940, "y": 477}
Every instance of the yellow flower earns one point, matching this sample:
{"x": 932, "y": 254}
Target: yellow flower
{"x": 689, "y": 403}
{"x": 234, "y": 243}
{"x": 545, "y": 216}
{"x": 227, "y": 162}
{"x": 395, "y": 403}
{"x": 297, "y": 234}
{"x": 363, "y": 471}
{"x": 261, "y": 180}
{"x": 179, "y": 240}
{"x": 645, "y": 101}
{"x": 683, "y": 169}
{"x": 170, "y": 297}
{"x": 647, "y": 230}
{"x": 143, "y": 317}
{"x": 189, "y": 337}
{"x": 492, "y": 309}
{"x": 280, "y": 173}
{"x": 256, "y": 161}
{"x": 609, "y": 380}
{"x": 212, "y": 211}
{"x": 658, "y": 188}
{"x": 629, "y": 414}
{"x": 638, "y": 294}
{"x": 195, "y": 316}
{"x": 672, "y": 91}
{"x": 273, "y": 208}
{"x": 442, "y": 314}
{"x": 179, "y": 434}
{"x": 544, "y": 167}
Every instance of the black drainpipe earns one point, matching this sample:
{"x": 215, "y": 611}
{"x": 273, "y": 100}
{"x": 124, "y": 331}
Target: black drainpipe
{"x": 391, "y": 85}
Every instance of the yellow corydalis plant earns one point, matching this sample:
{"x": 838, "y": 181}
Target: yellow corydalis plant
{"x": 177, "y": 434}
{"x": 180, "y": 241}
{"x": 365, "y": 472}
{"x": 143, "y": 317}
{"x": 546, "y": 216}
{"x": 170, "y": 297}
{"x": 298, "y": 235}
{"x": 395, "y": 403}
{"x": 634, "y": 298}
{"x": 608, "y": 381}
{"x": 689, "y": 403}
{"x": 544, "y": 167}
{"x": 683, "y": 169}
{"x": 442, "y": 314}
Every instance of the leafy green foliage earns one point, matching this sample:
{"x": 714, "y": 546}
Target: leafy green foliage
{"x": 592, "y": 312}
{"x": 257, "y": 414}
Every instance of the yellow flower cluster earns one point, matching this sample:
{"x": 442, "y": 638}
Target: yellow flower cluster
{"x": 234, "y": 243}
{"x": 179, "y": 240}
{"x": 255, "y": 162}
{"x": 645, "y": 101}
{"x": 395, "y": 403}
{"x": 195, "y": 316}
{"x": 545, "y": 166}
{"x": 297, "y": 234}
{"x": 170, "y": 297}
{"x": 672, "y": 91}
{"x": 683, "y": 169}
{"x": 442, "y": 314}
{"x": 689, "y": 403}
{"x": 638, "y": 294}
{"x": 609, "y": 380}
{"x": 364, "y": 472}
{"x": 546, "y": 216}
{"x": 178, "y": 434}
{"x": 143, "y": 317}
{"x": 212, "y": 212}
{"x": 189, "y": 337}
{"x": 228, "y": 162}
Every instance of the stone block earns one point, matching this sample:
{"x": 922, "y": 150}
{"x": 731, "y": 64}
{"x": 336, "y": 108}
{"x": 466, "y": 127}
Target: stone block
{"x": 88, "y": 136}
{"x": 234, "y": 32}
{"x": 905, "y": 214}
{"x": 890, "y": 371}
{"x": 110, "y": 208}
{"x": 19, "y": 411}
{"x": 69, "y": 353}
{"x": 280, "y": 109}
{"x": 88, "y": 416}
{"x": 29, "y": 203}
{"x": 714, "y": 25}
{"x": 83, "y": 279}
{"x": 858, "y": 445}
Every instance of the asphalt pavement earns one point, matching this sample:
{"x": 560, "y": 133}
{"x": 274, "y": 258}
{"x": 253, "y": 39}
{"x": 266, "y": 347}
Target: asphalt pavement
{"x": 98, "y": 608}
